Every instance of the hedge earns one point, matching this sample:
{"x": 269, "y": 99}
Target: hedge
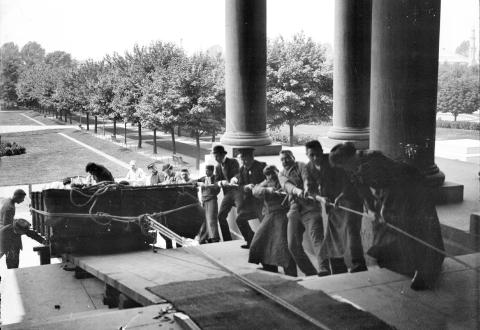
{"x": 474, "y": 126}
{"x": 11, "y": 149}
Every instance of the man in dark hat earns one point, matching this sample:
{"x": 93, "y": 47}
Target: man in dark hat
{"x": 225, "y": 170}
{"x": 11, "y": 230}
{"x": 248, "y": 207}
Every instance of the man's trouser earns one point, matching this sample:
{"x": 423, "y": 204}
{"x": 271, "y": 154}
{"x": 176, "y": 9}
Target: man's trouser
{"x": 211, "y": 217}
{"x": 12, "y": 258}
{"x": 298, "y": 222}
{"x": 228, "y": 202}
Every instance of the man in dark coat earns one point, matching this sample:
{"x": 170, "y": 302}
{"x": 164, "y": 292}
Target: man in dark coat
{"x": 248, "y": 207}
{"x": 11, "y": 230}
{"x": 99, "y": 172}
{"x": 343, "y": 228}
{"x": 225, "y": 170}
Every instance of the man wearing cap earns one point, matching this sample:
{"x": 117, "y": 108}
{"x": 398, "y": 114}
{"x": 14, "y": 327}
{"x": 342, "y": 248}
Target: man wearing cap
{"x": 135, "y": 175}
{"x": 168, "y": 174}
{"x": 11, "y": 230}
{"x": 225, "y": 170}
{"x": 248, "y": 207}
{"x": 154, "y": 177}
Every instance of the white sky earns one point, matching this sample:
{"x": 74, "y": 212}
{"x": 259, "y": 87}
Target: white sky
{"x": 93, "y": 28}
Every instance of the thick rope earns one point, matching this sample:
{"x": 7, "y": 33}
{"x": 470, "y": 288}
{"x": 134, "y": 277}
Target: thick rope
{"x": 124, "y": 219}
{"x": 401, "y": 231}
{"x": 182, "y": 241}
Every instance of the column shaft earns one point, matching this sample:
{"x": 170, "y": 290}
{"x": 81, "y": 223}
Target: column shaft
{"x": 245, "y": 73}
{"x": 405, "y": 40}
{"x": 351, "y": 71}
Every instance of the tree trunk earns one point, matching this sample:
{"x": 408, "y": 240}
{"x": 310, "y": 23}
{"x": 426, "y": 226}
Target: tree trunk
{"x": 114, "y": 128}
{"x": 96, "y": 124}
{"x": 125, "y": 133}
{"x": 291, "y": 133}
{"x": 174, "y": 149}
{"x": 197, "y": 139}
{"x": 103, "y": 124}
{"x": 139, "y": 135}
{"x": 155, "y": 141}
{"x": 66, "y": 115}
{"x": 213, "y": 135}
{"x": 88, "y": 121}
{"x": 179, "y": 131}
{"x": 70, "y": 117}
{"x": 455, "y": 115}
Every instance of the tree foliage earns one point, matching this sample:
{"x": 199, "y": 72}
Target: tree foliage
{"x": 299, "y": 82}
{"x": 10, "y": 64}
{"x": 458, "y": 89}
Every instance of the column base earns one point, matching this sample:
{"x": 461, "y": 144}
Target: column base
{"x": 251, "y": 139}
{"x": 449, "y": 193}
{"x": 434, "y": 176}
{"x": 358, "y": 136}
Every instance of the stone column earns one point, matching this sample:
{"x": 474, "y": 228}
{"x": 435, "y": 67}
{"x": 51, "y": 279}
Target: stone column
{"x": 245, "y": 74}
{"x": 351, "y": 71}
{"x": 405, "y": 39}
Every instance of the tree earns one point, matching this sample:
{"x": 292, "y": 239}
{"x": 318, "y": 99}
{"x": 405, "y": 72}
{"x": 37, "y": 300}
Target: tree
{"x": 136, "y": 72}
{"x": 299, "y": 82}
{"x": 463, "y": 48}
{"x": 59, "y": 59}
{"x": 10, "y": 64}
{"x": 32, "y": 53}
{"x": 458, "y": 87}
{"x": 198, "y": 87}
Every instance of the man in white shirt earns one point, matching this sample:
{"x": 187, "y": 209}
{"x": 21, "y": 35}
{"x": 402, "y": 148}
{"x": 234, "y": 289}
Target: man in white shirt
{"x": 135, "y": 175}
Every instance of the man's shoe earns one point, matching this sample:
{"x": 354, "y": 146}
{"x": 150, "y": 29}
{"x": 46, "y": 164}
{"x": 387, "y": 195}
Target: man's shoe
{"x": 418, "y": 283}
{"x": 324, "y": 271}
{"x": 338, "y": 266}
{"x": 358, "y": 268}
{"x": 245, "y": 246}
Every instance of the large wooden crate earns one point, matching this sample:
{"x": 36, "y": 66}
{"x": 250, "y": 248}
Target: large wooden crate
{"x": 100, "y": 235}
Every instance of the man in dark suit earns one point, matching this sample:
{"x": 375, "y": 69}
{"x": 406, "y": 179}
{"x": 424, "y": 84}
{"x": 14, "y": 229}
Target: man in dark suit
{"x": 248, "y": 207}
{"x": 225, "y": 170}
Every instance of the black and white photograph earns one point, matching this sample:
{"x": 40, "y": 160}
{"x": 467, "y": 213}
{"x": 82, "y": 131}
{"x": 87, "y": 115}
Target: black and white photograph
{"x": 239, "y": 164}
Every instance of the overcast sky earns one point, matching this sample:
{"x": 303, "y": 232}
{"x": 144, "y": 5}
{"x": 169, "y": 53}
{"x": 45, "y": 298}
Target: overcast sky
{"x": 93, "y": 28}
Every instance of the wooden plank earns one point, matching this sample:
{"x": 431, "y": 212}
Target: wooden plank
{"x": 41, "y": 292}
{"x": 143, "y": 318}
{"x": 132, "y": 273}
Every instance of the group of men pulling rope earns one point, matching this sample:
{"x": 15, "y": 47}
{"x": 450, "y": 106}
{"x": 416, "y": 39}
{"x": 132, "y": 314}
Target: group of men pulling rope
{"x": 288, "y": 202}
{"x": 406, "y": 230}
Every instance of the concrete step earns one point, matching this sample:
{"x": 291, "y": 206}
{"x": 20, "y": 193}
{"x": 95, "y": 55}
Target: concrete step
{"x": 452, "y": 304}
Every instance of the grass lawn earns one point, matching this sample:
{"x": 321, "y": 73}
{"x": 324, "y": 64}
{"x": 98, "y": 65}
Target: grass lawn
{"x": 49, "y": 157}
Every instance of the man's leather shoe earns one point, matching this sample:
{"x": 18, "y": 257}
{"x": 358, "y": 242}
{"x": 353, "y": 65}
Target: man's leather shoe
{"x": 358, "y": 268}
{"x": 418, "y": 283}
{"x": 324, "y": 271}
{"x": 245, "y": 246}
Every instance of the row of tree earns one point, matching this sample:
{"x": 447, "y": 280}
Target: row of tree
{"x": 160, "y": 87}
